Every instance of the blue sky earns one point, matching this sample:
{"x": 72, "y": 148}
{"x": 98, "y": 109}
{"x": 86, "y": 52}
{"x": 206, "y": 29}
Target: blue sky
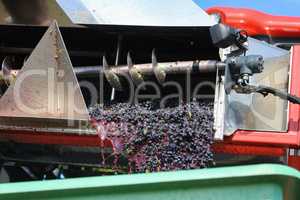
{"x": 276, "y": 7}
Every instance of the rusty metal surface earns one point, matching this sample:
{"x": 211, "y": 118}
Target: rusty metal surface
{"x": 46, "y": 89}
{"x": 178, "y": 67}
{"x": 160, "y": 70}
{"x": 110, "y": 76}
{"x": 135, "y": 75}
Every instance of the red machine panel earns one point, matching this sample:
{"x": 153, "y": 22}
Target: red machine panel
{"x": 258, "y": 23}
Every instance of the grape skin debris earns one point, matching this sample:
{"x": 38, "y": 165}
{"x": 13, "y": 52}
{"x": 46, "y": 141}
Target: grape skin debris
{"x": 159, "y": 139}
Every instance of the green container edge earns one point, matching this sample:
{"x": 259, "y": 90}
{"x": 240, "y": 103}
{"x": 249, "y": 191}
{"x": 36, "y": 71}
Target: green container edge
{"x": 220, "y": 173}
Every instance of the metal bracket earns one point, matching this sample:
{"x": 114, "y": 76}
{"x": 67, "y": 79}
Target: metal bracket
{"x": 219, "y": 107}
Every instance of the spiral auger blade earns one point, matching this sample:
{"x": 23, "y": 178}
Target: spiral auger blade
{"x": 158, "y": 70}
{"x": 6, "y": 65}
{"x": 110, "y": 76}
{"x": 6, "y": 70}
{"x": 135, "y": 75}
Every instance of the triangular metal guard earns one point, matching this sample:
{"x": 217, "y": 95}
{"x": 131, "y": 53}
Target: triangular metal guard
{"x": 46, "y": 93}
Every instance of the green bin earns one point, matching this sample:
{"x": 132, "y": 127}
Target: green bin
{"x": 255, "y": 182}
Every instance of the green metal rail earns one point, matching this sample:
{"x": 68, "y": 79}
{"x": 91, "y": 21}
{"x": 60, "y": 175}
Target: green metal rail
{"x": 258, "y": 182}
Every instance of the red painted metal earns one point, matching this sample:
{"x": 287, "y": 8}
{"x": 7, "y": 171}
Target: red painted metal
{"x": 248, "y": 150}
{"x": 258, "y": 23}
{"x": 294, "y": 161}
{"x": 53, "y": 138}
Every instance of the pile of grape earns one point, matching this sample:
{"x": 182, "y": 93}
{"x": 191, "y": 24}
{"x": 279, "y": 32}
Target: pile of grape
{"x": 159, "y": 139}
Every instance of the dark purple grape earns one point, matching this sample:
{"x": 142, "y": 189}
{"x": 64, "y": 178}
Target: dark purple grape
{"x": 161, "y": 139}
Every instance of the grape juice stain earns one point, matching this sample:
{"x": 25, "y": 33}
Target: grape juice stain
{"x": 157, "y": 139}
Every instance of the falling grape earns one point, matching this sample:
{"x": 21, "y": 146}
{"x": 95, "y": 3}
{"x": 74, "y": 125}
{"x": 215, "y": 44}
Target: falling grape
{"x": 160, "y": 139}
